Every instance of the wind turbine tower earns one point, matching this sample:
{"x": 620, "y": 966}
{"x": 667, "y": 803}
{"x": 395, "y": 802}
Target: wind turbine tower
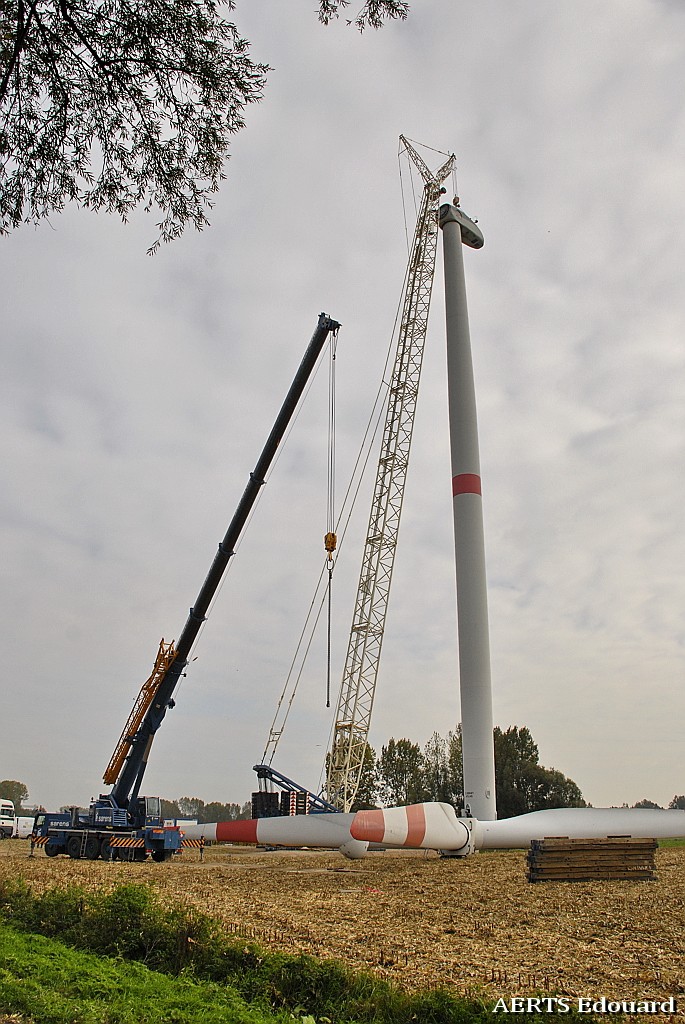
{"x": 472, "y": 604}
{"x": 432, "y": 825}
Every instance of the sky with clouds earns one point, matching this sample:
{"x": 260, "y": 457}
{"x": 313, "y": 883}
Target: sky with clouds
{"x": 137, "y": 392}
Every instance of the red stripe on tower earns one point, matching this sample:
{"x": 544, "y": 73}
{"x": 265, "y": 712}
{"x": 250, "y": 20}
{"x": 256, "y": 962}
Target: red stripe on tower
{"x": 466, "y": 483}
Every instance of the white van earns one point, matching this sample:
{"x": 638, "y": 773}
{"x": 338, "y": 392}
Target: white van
{"x": 6, "y": 819}
{"x": 23, "y": 826}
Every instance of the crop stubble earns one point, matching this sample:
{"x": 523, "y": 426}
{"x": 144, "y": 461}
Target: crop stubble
{"x": 475, "y": 925}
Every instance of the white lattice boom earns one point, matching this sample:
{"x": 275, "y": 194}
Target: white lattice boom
{"x": 355, "y": 704}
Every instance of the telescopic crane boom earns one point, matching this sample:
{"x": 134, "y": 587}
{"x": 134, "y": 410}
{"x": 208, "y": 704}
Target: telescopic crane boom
{"x": 129, "y": 761}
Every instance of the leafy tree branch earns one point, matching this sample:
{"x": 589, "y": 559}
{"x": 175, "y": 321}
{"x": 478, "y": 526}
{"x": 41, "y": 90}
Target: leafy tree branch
{"x": 372, "y": 14}
{"x": 115, "y": 103}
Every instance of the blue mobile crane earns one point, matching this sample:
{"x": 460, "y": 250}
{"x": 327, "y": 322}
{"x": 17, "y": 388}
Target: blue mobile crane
{"x": 122, "y": 824}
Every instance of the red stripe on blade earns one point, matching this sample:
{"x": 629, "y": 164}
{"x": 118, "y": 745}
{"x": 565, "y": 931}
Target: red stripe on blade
{"x": 416, "y": 822}
{"x": 368, "y": 825}
{"x": 237, "y": 831}
{"x": 466, "y": 483}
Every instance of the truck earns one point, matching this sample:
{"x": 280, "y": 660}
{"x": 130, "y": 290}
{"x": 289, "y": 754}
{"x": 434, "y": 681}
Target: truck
{"x": 121, "y": 824}
{"x": 13, "y": 826}
{"x": 6, "y": 819}
{"x": 108, "y": 831}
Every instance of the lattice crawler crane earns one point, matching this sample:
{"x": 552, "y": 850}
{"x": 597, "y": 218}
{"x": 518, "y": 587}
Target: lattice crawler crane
{"x": 357, "y": 691}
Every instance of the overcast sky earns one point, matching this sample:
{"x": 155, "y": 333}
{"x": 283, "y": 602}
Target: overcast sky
{"x": 137, "y": 394}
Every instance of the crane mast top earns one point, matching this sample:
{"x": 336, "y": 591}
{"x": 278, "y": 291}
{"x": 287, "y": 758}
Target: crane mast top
{"x": 355, "y": 704}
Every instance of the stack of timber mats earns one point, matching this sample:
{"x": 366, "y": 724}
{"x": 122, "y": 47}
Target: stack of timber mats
{"x": 590, "y": 860}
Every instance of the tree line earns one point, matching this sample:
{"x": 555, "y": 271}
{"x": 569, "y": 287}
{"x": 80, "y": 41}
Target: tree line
{"x": 404, "y": 773}
{"x": 17, "y": 792}
{"x": 192, "y": 807}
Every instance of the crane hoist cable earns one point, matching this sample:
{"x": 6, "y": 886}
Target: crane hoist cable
{"x": 353, "y": 717}
{"x": 342, "y": 523}
{"x": 330, "y": 539}
{"x": 248, "y": 522}
{"x": 166, "y": 651}
{"x": 172, "y": 659}
{"x": 313, "y": 616}
{"x": 349, "y": 732}
{"x": 330, "y": 483}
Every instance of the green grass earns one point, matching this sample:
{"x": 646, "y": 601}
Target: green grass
{"x": 52, "y": 984}
{"x": 132, "y": 923}
{"x": 71, "y": 956}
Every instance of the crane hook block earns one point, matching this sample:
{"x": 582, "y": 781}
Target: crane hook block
{"x": 330, "y": 543}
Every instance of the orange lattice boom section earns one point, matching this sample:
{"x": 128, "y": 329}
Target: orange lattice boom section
{"x": 165, "y": 656}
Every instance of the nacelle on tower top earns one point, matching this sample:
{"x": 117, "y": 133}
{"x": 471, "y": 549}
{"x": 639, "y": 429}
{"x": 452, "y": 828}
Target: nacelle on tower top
{"x": 471, "y": 234}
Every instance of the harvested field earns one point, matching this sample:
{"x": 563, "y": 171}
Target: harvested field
{"x": 475, "y": 926}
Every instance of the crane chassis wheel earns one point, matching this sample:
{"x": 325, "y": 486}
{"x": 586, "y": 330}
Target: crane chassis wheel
{"x": 107, "y": 852}
{"x": 92, "y": 848}
{"x": 74, "y": 847}
{"x": 87, "y": 847}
